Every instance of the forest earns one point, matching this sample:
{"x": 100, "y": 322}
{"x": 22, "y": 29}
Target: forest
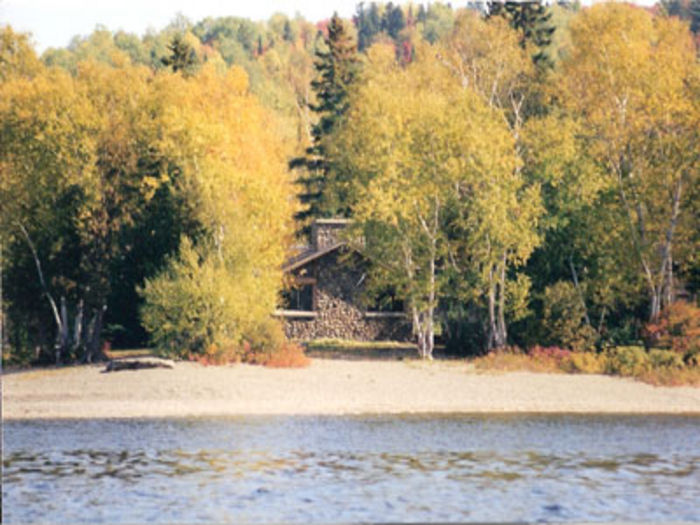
{"x": 526, "y": 173}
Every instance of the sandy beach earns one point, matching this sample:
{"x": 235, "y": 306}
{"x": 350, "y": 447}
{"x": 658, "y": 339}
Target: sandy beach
{"x": 327, "y": 387}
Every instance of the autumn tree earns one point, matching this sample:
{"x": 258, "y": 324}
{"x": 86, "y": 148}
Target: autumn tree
{"x": 17, "y": 58}
{"x": 222, "y": 287}
{"x": 631, "y": 77}
{"x": 45, "y": 147}
{"x": 81, "y": 158}
{"x": 425, "y": 169}
{"x": 485, "y": 56}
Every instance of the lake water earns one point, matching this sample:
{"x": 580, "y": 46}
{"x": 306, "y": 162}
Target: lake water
{"x": 349, "y": 469}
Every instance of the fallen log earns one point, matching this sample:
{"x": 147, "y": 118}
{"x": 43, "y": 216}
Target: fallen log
{"x": 137, "y": 363}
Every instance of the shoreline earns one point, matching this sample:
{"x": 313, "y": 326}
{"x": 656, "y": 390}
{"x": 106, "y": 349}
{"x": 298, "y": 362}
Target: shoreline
{"x": 328, "y": 388}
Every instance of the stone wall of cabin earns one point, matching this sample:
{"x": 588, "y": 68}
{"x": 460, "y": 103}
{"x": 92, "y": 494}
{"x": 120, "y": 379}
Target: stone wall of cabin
{"x": 337, "y": 298}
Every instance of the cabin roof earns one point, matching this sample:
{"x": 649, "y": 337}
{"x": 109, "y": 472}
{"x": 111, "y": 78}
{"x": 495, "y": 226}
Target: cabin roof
{"x": 309, "y": 255}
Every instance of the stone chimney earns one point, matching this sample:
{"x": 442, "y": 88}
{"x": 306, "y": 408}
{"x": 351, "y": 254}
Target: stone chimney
{"x": 327, "y": 232}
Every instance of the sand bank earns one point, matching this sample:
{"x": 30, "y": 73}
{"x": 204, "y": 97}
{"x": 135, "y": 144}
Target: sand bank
{"x": 327, "y": 387}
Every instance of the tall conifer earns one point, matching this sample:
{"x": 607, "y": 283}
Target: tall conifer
{"x": 336, "y": 67}
{"x": 531, "y": 19}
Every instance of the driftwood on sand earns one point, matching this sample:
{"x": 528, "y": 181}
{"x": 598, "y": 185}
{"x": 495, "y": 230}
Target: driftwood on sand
{"x": 137, "y": 363}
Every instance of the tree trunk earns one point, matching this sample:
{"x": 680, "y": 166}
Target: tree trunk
{"x": 666, "y": 271}
{"x": 491, "y": 343}
{"x": 430, "y": 313}
{"x": 419, "y": 330}
{"x": 93, "y": 351}
{"x": 502, "y": 333}
{"x": 78, "y": 328}
{"x": 574, "y": 276}
{"x": 62, "y": 339}
{"x": 49, "y": 297}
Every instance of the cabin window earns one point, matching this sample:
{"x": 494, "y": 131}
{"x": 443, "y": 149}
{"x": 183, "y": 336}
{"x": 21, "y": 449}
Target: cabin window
{"x": 301, "y": 297}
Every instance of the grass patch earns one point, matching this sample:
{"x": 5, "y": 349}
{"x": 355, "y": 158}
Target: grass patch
{"x": 348, "y": 344}
{"x": 347, "y": 349}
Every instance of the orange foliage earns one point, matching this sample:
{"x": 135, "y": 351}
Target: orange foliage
{"x": 290, "y": 355}
{"x": 677, "y": 328}
{"x": 287, "y": 355}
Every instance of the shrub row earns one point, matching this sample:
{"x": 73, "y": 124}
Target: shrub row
{"x": 656, "y": 366}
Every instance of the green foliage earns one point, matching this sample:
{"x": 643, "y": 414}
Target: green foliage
{"x": 182, "y": 57}
{"x": 437, "y": 21}
{"x": 628, "y": 361}
{"x": 685, "y": 10}
{"x": 266, "y": 337}
{"x": 556, "y": 206}
{"x": 336, "y": 67}
{"x": 588, "y": 363}
{"x": 532, "y": 21}
{"x": 563, "y": 318}
{"x": 190, "y": 305}
{"x": 665, "y": 359}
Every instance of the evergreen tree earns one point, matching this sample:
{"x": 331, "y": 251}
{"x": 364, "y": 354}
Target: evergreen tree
{"x": 393, "y": 20}
{"x": 532, "y": 20}
{"x": 182, "y": 57}
{"x": 368, "y": 23}
{"x": 422, "y": 14}
{"x": 685, "y": 10}
{"x": 288, "y": 34}
{"x": 336, "y": 67}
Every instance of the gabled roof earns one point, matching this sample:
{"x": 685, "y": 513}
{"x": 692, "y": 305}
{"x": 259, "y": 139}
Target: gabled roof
{"x": 309, "y": 255}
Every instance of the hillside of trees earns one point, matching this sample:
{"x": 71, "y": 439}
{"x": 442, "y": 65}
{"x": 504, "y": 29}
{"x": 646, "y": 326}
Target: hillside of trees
{"x": 528, "y": 174}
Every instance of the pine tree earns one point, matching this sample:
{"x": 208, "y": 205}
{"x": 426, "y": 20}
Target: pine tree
{"x": 368, "y": 23}
{"x": 182, "y": 57}
{"x": 531, "y": 19}
{"x": 393, "y": 20}
{"x": 422, "y": 14}
{"x": 336, "y": 67}
{"x": 685, "y": 10}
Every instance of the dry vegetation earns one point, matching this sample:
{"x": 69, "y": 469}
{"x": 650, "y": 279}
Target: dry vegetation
{"x": 656, "y": 367}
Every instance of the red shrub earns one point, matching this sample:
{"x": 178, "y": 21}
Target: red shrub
{"x": 677, "y": 328}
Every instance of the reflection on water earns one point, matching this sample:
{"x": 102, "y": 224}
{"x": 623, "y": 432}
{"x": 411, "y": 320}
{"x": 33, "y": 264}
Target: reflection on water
{"x": 460, "y": 468}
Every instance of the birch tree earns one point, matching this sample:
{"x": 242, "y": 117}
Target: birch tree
{"x": 432, "y": 159}
{"x": 633, "y": 79}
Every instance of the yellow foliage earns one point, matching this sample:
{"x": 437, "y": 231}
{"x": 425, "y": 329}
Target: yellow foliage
{"x": 233, "y": 164}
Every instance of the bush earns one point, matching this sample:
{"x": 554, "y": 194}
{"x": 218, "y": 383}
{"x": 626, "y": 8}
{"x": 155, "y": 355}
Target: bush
{"x": 554, "y": 353}
{"x": 218, "y": 354}
{"x": 692, "y": 358}
{"x": 658, "y": 367}
{"x": 587, "y": 363}
{"x": 665, "y": 359}
{"x": 537, "y": 359}
{"x": 265, "y": 337}
{"x": 677, "y": 328}
{"x": 187, "y": 307}
{"x": 200, "y": 306}
{"x": 628, "y": 361}
{"x": 289, "y": 355}
{"x": 563, "y": 318}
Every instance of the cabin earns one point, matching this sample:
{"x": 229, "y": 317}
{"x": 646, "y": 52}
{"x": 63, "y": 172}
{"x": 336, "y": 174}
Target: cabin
{"x": 327, "y": 296}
